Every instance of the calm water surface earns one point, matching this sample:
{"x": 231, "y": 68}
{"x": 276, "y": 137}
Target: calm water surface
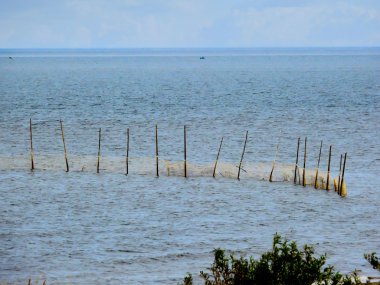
{"x": 109, "y": 228}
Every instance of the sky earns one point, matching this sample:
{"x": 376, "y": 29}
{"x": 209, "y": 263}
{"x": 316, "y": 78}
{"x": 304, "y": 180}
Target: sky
{"x": 188, "y": 23}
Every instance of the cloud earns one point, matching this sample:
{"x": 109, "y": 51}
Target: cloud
{"x": 181, "y": 23}
{"x": 311, "y": 25}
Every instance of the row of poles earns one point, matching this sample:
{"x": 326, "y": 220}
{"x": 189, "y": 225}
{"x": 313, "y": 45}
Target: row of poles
{"x": 339, "y": 184}
{"x": 127, "y": 154}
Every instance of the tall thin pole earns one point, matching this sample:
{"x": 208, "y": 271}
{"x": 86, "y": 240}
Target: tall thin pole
{"x": 64, "y": 146}
{"x": 275, "y": 157}
{"x": 127, "y": 157}
{"x": 217, "y": 157}
{"x": 157, "y": 174}
{"x": 98, "y": 164}
{"x": 296, "y": 167}
{"x": 31, "y": 145}
{"x": 304, "y": 166}
{"x": 242, "y": 155}
{"x": 184, "y": 142}
{"x": 316, "y": 174}
{"x": 340, "y": 173}
{"x": 328, "y": 171}
{"x": 344, "y": 167}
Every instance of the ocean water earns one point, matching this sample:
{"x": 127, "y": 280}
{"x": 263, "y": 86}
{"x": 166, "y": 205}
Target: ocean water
{"x": 111, "y": 228}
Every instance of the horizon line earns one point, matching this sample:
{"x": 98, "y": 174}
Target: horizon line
{"x": 184, "y": 47}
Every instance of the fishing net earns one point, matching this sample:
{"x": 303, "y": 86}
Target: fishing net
{"x": 147, "y": 166}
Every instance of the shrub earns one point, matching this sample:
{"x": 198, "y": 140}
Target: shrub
{"x": 373, "y": 260}
{"x": 285, "y": 264}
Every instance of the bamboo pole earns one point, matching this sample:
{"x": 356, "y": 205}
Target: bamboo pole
{"x": 340, "y": 173}
{"x": 184, "y": 142}
{"x": 242, "y": 155}
{"x": 296, "y": 167}
{"x": 217, "y": 157}
{"x": 98, "y": 164}
{"x": 316, "y": 174}
{"x": 64, "y": 146}
{"x": 328, "y": 171}
{"x": 127, "y": 157}
{"x": 274, "y": 161}
{"x": 271, "y": 172}
{"x": 304, "y": 166}
{"x": 31, "y": 145}
{"x": 157, "y": 174}
{"x": 342, "y": 189}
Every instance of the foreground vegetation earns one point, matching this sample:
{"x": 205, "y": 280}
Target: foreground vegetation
{"x": 285, "y": 264}
{"x": 373, "y": 260}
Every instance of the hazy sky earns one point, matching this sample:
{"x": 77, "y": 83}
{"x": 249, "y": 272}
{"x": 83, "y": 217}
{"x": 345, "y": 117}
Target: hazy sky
{"x": 188, "y": 23}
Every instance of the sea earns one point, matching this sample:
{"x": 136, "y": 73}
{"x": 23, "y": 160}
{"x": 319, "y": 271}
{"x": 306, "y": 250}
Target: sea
{"x": 127, "y": 211}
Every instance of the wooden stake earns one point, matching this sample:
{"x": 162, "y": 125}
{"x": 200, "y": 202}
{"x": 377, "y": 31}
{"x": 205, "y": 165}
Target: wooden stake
{"x": 271, "y": 172}
{"x": 64, "y": 146}
{"x": 344, "y": 167}
{"x": 328, "y": 171}
{"x": 127, "y": 157}
{"x": 316, "y": 174}
{"x": 217, "y": 157}
{"x": 98, "y": 164}
{"x": 157, "y": 174}
{"x": 340, "y": 173}
{"x": 184, "y": 142}
{"x": 296, "y": 167}
{"x": 242, "y": 155}
{"x": 31, "y": 145}
{"x": 274, "y": 161}
{"x": 304, "y": 166}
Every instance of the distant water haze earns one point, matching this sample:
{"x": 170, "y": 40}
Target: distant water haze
{"x": 86, "y": 227}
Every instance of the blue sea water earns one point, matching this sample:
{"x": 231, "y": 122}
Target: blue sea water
{"x": 83, "y": 227}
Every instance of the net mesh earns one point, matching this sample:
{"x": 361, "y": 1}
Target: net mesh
{"x": 282, "y": 172}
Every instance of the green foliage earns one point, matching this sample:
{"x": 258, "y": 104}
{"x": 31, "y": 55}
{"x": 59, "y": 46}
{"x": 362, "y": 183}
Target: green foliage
{"x": 373, "y": 260}
{"x": 188, "y": 280}
{"x": 285, "y": 264}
